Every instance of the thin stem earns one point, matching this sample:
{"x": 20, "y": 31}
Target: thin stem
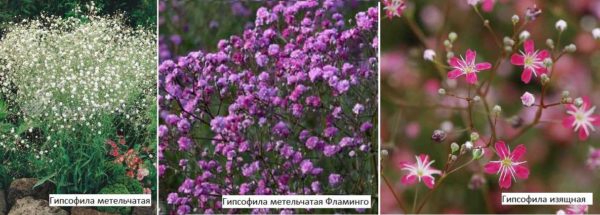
{"x": 400, "y": 203}
{"x": 414, "y": 206}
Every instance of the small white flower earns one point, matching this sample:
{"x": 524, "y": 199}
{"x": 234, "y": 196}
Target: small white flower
{"x": 429, "y": 55}
{"x": 561, "y": 25}
{"x": 469, "y": 145}
{"x": 524, "y": 35}
{"x": 596, "y": 33}
{"x": 527, "y": 99}
{"x": 473, "y": 2}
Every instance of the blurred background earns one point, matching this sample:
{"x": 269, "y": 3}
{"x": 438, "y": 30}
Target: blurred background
{"x": 410, "y": 104}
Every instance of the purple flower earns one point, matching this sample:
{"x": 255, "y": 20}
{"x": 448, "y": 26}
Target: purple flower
{"x": 185, "y": 143}
{"x": 261, "y": 59}
{"x": 334, "y": 179}
{"x": 306, "y": 166}
{"x": 273, "y": 49}
{"x": 281, "y": 129}
{"x": 312, "y": 142}
{"x": 183, "y": 126}
{"x": 366, "y": 126}
{"x": 331, "y": 150}
{"x": 316, "y": 186}
{"x": 358, "y": 108}
{"x": 342, "y": 86}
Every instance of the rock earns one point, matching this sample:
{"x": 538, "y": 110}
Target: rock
{"x": 3, "y": 206}
{"x": 87, "y": 211}
{"x": 145, "y": 210}
{"x": 24, "y": 187}
{"x": 31, "y": 206}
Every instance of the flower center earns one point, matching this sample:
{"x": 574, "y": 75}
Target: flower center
{"x": 580, "y": 116}
{"x": 469, "y": 68}
{"x": 419, "y": 172}
{"x": 529, "y": 60}
{"x": 507, "y": 162}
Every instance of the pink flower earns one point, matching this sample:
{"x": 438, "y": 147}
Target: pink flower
{"x": 509, "y": 165}
{"x": 527, "y": 99}
{"x": 574, "y": 209}
{"x": 531, "y": 60}
{"x": 394, "y": 8}
{"x": 467, "y": 67}
{"x": 593, "y": 161}
{"x": 488, "y": 5}
{"x": 582, "y": 118}
{"x": 420, "y": 170}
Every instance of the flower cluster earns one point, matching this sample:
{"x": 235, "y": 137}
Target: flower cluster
{"x": 288, "y": 107}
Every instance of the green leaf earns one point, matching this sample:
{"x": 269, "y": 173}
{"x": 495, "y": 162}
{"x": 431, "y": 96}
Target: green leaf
{"x": 43, "y": 180}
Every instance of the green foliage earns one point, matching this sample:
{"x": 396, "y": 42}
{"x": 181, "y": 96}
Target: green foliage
{"x": 115, "y": 189}
{"x": 138, "y": 12}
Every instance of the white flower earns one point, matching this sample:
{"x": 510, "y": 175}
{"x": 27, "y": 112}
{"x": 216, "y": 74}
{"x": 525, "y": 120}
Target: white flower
{"x": 561, "y": 25}
{"x": 429, "y": 55}
{"x": 469, "y": 145}
{"x": 527, "y": 99}
{"x": 596, "y": 33}
{"x": 473, "y": 2}
{"x": 524, "y": 35}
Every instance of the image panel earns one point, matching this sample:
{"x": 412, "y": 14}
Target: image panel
{"x": 78, "y": 111}
{"x": 267, "y": 98}
{"x": 482, "y": 98}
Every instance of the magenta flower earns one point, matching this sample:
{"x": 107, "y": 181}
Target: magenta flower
{"x": 593, "y": 161}
{"x": 394, "y": 8}
{"x": 532, "y": 61}
{"x": 467, "y": 67}
{"x": 509, "y": 166}
{"x": 574, "y": 209}
{"x": 420, "y": 170}
{"x": 582, "y": 118}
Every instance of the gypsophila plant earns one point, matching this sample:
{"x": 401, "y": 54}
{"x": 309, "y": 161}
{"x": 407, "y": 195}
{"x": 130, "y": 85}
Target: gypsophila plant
{"x": 71, "y": 84}
{"x": 288, "y": 107}
{"x": 477, "y": 91}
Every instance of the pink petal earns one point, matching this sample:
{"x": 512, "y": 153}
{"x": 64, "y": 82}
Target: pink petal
{"x": 471, "y": 56}
{"x": 472, "y": 78}
{"x": 571, "y": 107}
{"x": 502, "y": 149}
{"x": 529, "y": 46}
{"x": 483, "y": 66}
{"x": 454, "y": 62}
{"x": 454, "y": 74}
{"x": 583, "y": 134}
{"x": 505, "y": 180}
{"x": 424, "y": 158}
{"x": 518, "y": 60}
{"x": 586, "y": 102}
{"x": 541, "y": 70}
{"x": 521, "y": 171}
{"x": 542, "y": 55}
{"x": 518, "y": 152}
{"x": 492, "y": 167}
{"x": 409, "y": 179}
{"x": 488, "y": 5}
{"x": 595, "y": 119}
{"x": 526, "y": 75}
{"x": 429, "y": 181}
{"x": 568, "y": 121}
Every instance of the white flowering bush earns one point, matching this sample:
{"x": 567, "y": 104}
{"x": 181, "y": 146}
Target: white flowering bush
{"x": 71, "y": 85}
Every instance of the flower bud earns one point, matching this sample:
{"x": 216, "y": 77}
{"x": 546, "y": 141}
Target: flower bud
{"x": 474, "y": 136}
{"x": 571, "y": 48}
{"x": 508, "y": 49}
{"x": 454, "y": 147}
{"x": 532, "y": 13}
{"x": 450, "y": 55}
{"x": 442, "y": 91}
{"x": 578, "y": 102}
{"x": 469, "y": 145}
{"x": 515, "y": 19}
{"x": 550, "y": 43}
{"x": 476, "y": 182}
{"x": 515, "y": 121}
{"x": 596, "y": 33}
{"x": 565, "y": 94}
{"x": 545, "y": 79}
{"x": 548, "y": 62}
{"x": 384, "y": 152}
{"x": 447, "y": 44}
{"x": 561, "y": 25}
{"x": 476, "y": 99}
{"x": 429, "y": 55}
{"x": 477, "y": 153}
{"x": 452, "y": 36}
{"x": 497, "y": 109}
{"x": 524, "y": 35}
{"x": 438, "y": 136}
{"x": 508, "y": 41}
{"x": 527, "y": 99}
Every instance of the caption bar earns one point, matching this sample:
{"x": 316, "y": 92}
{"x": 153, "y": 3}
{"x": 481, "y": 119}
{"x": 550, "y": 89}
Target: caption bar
{"x": 100, "y": 200}
{"x": 547, "y": 199}
{"x": 296, "y": 201}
